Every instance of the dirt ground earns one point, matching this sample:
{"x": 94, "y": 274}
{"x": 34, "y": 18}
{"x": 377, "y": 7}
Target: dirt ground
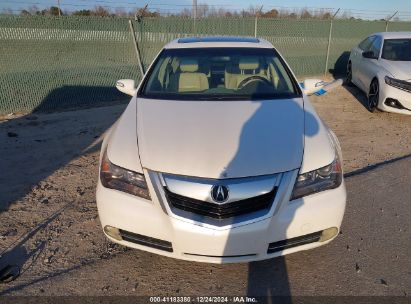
{"x": 49, "y": 223}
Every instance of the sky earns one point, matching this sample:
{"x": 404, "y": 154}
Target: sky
{"x": 346, "y": 4}
{"x": 379, "y": 7}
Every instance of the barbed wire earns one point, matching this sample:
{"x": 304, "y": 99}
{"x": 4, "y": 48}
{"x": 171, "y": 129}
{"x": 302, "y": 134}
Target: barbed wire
{"x": 175, "y": 8}
{"x": 221, "y": 5}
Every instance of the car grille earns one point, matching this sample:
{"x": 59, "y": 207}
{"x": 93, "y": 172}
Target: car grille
{"x": 222, "y": 211}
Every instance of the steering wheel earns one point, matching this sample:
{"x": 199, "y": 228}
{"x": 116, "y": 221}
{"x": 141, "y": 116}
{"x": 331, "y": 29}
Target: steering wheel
{"x": 251, "y": 79}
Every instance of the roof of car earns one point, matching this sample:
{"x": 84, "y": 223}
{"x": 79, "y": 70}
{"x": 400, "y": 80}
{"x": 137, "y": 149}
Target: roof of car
{"x": 218, "y": 41}
{"x": 394, "y": 35}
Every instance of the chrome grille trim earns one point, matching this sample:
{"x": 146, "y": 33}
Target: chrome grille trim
{"x": 285, "y": 186}
{"x": 239, "y": 188}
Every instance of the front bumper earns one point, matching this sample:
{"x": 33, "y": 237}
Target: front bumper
{"x": 243, "y": 242}
{"x": 403, "y": 97}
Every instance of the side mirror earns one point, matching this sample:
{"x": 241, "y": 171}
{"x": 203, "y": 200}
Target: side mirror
{"x": 369, "y": 54}
{"x": 310, "y": 86}
{"x": 126, "y": 86}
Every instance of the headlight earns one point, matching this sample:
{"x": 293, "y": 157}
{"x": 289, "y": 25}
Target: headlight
{"x": 399, "y": 84}
{"x": 121, "y": 179}
{"x": 325, "y": 178}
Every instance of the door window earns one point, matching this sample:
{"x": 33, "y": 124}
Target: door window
{"x": 375, "y": 46}
{"x": 366, "y": 43}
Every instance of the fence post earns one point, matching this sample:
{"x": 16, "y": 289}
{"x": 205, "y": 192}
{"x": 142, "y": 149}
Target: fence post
{"x": 388, "y": 20}
{"x": 329, "y": 42}
{"x": 255, "y": 26}
{"x": 58, "y": 5}
{"x": 195, "y": 17}
{"x": 133, "y": 35}
{"x": 256, "y": 21}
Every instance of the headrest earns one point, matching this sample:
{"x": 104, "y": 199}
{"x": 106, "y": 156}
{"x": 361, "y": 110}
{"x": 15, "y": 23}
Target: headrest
{"x": 188, "y": 65}
{"x": 249, "y": 63}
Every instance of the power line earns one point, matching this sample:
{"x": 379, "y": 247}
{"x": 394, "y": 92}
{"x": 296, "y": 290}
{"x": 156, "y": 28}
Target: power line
{"x": 221, "y": 5}
{"x": 169, "y": 8}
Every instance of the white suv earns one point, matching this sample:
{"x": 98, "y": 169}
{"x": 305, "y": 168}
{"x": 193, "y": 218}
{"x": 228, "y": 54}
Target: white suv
{"x": 220, "y": 157}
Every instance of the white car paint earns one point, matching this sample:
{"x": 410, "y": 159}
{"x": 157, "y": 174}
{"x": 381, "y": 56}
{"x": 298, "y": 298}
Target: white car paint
{"x": 221, "y": 141}
{"x": 245, "y": 146}
{"x": 365, "y": 70}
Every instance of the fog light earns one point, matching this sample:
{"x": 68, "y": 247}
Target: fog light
{"x": 394, "y": 103}
{"x": 328, "y": 234}
{"x": 113, "y": 232}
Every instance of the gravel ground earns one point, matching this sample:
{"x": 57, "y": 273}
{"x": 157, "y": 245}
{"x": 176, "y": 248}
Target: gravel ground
{"x": 49, "y": 223}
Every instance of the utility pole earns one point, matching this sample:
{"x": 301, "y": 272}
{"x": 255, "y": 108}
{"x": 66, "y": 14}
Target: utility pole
{"x": 58, "y": 5}
{"x": 388, "y": 20}
{"x": 195, "y": 17}
{"x": 329, "y": 42}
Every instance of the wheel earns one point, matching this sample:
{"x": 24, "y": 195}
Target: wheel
{"x": 373, "y": 96}
{"x": 348, "y": 76}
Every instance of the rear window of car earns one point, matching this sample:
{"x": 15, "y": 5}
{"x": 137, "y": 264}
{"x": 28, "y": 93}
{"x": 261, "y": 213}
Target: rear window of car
{"x": 219, "y": 74}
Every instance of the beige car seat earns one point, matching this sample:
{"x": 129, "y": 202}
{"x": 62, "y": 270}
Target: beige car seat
{"x": 189, "y": 79}
{"x": 247, "y": 67}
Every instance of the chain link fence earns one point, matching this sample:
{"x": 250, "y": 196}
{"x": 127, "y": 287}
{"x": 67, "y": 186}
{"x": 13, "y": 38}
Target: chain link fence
{"x": 54, "y": 63}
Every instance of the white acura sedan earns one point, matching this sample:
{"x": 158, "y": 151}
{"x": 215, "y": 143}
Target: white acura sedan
{"x": 381, "y": 67}
{"x": 220, "y": 157}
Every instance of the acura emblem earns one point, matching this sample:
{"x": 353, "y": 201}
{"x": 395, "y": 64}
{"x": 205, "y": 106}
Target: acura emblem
{"x": 219, "y": 193}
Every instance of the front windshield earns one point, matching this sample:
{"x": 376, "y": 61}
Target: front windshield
{"x": 397, "y": 49}
{"x": 219, "y": 73}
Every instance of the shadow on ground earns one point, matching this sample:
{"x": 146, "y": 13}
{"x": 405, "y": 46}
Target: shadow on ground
{"x": 13, "y": 258}
{"x": 78, "y": 97}
{"x": 35, "y": 146}
{"x": 360, "y": 96}
{"x": 61, "y": 146}
{"x": 340, "y": 66}
{"x": 340, "y": 71}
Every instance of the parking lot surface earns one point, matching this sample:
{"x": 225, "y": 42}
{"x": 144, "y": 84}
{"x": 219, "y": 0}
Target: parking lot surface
{"x": 49, "y": 224}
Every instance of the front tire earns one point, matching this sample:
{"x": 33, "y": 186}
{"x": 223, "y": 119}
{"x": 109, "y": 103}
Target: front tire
{"x": 373, "y": 96}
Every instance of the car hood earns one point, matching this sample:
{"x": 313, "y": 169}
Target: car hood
{"x": 220, "y": 139}
{"x": 399, "y": 69}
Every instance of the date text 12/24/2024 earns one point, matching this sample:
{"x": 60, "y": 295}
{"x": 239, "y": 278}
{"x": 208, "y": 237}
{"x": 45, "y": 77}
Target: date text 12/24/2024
{"x": 203, "y": 299}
